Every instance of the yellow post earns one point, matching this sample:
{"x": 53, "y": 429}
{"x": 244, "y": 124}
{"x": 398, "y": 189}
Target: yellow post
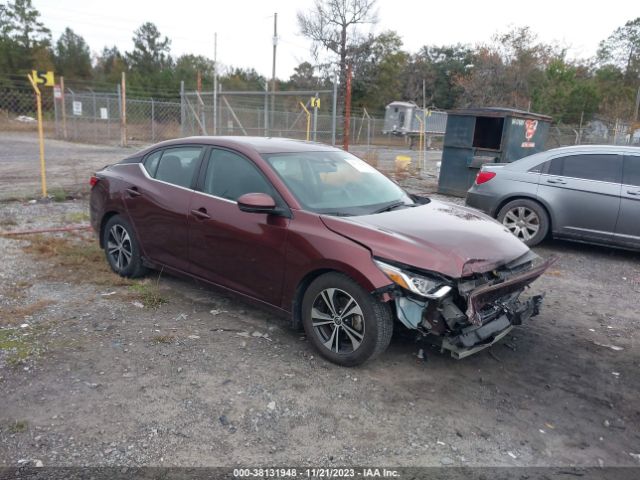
{"x": 43, "y": 174}
{"x": 308, "y": 119}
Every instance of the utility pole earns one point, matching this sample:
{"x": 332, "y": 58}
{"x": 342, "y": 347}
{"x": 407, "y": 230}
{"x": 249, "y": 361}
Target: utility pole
{"x": 215, "y": 83}
{"x": 334, "y": 111}
{"x": 273, "y": 69}
{"x": 347, "y": 111}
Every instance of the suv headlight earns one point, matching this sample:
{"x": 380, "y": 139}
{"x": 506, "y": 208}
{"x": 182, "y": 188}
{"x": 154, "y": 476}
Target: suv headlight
{"x": 422, "y": 285}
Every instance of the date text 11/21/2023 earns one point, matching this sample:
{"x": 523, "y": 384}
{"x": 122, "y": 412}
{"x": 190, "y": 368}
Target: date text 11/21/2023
{"x": 319, "y": 472}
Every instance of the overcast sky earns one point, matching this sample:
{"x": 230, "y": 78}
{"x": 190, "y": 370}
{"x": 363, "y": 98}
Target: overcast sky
{"x": 245, "y": 27}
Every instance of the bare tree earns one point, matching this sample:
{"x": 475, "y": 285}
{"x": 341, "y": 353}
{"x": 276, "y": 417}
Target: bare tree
{"x": 332, "y": 25}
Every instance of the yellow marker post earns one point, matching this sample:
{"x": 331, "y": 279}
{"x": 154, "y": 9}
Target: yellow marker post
{"x": 308, "y": 119}
{"x": 43, "y": 175}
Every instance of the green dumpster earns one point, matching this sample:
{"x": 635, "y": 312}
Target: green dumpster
{"x": 477, "y": 136}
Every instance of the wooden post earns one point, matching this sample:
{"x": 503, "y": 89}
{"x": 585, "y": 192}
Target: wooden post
{"x": 347, "y": 111}
{"x": 123, "y": 111}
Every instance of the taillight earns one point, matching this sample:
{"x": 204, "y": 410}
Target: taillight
{"x": 93, "y": 180}
{"x": 484, "y": 177}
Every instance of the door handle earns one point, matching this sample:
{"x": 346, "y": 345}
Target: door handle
{"x": 634, "y": 192}
{"x": 133, "y": 192}
{"x": 556, "y": 180}
{"x": 200, "y": 213}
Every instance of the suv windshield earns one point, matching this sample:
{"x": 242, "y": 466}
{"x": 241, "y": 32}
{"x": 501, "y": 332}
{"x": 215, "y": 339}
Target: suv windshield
{"x": 337, "y": 183}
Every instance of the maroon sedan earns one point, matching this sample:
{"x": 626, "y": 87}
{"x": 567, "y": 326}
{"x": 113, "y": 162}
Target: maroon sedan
{"x": 319, "y": 235}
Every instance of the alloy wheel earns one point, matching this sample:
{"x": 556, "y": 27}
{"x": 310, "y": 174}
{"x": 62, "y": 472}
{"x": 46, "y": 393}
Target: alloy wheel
{"x": 338, "y": 321}
{"x": 523, "y": 222}
{"x": 119, "y": 247}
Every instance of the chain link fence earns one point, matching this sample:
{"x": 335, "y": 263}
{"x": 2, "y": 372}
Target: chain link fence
{"x": 96, "y": 118}
{"x": 596, "y": 132}
{"x": 96, "y": 123}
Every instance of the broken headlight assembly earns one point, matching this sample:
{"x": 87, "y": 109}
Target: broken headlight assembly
{"x": 421, "y": 284}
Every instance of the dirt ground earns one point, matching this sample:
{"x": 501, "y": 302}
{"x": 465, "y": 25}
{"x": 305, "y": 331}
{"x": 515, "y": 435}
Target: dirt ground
{"x": 95, "y": 371}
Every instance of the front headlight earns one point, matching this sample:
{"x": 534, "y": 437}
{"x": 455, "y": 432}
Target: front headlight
{"x": 422, "y": 285}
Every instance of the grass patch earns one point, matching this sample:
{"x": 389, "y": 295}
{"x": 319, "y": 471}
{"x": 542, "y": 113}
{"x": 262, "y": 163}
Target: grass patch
{"x": 76, "y": 258}
{"x": 19, "y": 426}
{"x": 17, "y": 345}
{"x": 77, "y": 217}
{"x": 162, "y": 339}
{"x": 12, "y": 315}
{"x": 58, "y": 195}
{"x": 148, "y": 294}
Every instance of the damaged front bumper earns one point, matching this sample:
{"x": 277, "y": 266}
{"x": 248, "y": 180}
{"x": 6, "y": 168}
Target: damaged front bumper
{"x": 473, "y": 319}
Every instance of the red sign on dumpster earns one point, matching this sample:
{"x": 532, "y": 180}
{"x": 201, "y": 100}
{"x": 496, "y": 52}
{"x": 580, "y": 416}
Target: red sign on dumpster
{"x": 530, "y": 127}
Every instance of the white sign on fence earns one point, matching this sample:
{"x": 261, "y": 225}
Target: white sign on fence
{"x": 57, "y": 93}
{"x": 104, "y": 113}
{"x": 77, "y": 108}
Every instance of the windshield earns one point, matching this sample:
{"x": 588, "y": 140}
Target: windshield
{"x": 337, "y": 183}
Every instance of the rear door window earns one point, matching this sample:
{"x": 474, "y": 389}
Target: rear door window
{"x": 230, "y": 175}
{"x": 600, "y": 167}
{"x": 151, "y": 163}
{"x": 631, "y": 172}
{"x": 178, "y": 165}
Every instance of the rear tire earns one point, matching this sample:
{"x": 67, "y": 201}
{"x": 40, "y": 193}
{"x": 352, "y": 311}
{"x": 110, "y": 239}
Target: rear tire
{"x": 344, "y": 322}
{"x": 526, "y": 219}
{"x": 122, "y": 248}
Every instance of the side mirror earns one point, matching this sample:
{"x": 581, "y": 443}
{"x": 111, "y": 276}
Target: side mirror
{"x": 257, "y": 203}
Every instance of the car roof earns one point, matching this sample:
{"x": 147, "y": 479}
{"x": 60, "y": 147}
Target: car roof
{"x": 259, "y": 144}
{"x": 532, "y": 160}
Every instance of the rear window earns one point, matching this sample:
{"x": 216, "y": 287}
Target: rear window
{"x": 600, "y": 167}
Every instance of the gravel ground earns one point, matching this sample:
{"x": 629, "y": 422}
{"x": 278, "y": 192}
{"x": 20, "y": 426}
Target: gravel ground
{"x": 68, "y": 165}
{"x": 207, "y": 379}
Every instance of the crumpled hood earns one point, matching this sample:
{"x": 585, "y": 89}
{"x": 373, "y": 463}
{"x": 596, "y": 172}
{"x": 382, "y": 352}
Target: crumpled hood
{"x": 441, "y": 237}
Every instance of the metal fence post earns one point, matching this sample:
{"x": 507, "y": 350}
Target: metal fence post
{"x": 55, "y": 116}
{"x": 153, "y": 121}
{"x": 95, "y": 115}
{"x": 182, "y": 113}
{"x": 266, "y": 109}
{"x": 108, "y": 119}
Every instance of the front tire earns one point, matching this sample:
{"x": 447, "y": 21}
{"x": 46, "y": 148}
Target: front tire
{"x": 122, "y": 248}
{"x": 526, "y": 219}
{"x": 344, "y": 322}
